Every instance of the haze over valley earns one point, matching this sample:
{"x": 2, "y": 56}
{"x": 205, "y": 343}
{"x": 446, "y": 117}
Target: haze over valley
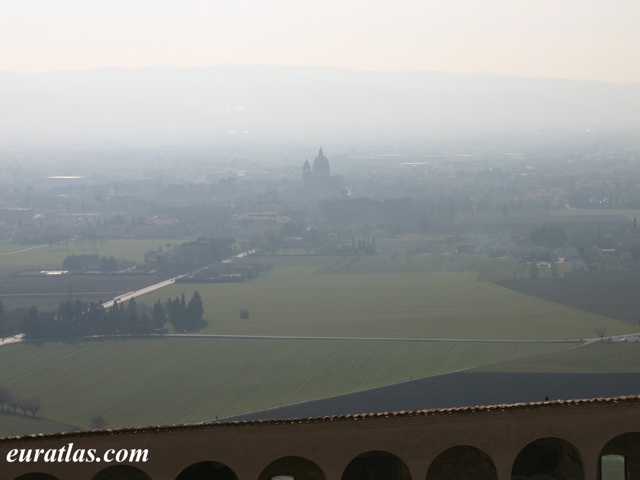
{"x": 202, "y": 107}
{"x": 247, "y": 210}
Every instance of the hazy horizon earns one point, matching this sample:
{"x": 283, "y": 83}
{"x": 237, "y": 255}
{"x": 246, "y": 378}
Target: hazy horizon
{"x": 310, "y": 67}
{"x": 571, "y": 39}
{"x": 189, "y": 73}
{"x": 247, "y": 104}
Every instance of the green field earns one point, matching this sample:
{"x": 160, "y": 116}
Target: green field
{"x": 599, "y": 357}
{"x": 416, "y": 297}
{"x": 631, "y": 213}
{"x": 14, "y": 424}
{"x": 16, "y": 256}
{"x": 172, "y": 380}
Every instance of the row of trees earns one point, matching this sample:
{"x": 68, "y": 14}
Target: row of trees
{"x": 366, "y": 245}
{"x": 90, "y": 262}
{"x": 81, "y": 318}
{"x": 24, "y": 404}
{"x": 184, "y": 317}
{"x": 4, "y": 330}
{"x": 197, "y": 253}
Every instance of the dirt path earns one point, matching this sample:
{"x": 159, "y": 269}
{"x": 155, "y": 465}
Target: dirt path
{"x": 24, "y": 250}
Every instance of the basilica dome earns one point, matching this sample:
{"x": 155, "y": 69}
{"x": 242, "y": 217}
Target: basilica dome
{"x": 321, "y": 165}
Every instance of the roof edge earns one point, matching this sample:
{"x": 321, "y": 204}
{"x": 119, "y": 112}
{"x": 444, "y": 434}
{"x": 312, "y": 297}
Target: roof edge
{"x": 325, "y": 419}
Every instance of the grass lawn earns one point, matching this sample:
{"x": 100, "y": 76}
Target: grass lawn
{"x": 423, "y": 297}
{"x": 176, "y": 380}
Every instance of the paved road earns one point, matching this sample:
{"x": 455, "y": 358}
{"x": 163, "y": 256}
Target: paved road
{"x": 619, "y": 338}
{"x": 13, "y": 339}
{"x": 142, "y": 291}
{"x": 166, "y": 283}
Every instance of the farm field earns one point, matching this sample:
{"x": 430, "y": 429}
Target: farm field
{"x": 47, "y": 292}
{"x": 174, "y": 380}
{"x": 598, "y": 357}
{"x": 463, "y": 389}
{"x": 190, "y": 379}
{"x": 601, "y": 369}
{"x": 414, "y": 297}
{"x": 631, "y": 213}
{"x": 14, "y": 424}
{"x": 16, "y": 257}
{"x": 22, "y": 286}
{"x": 611, "y": 294}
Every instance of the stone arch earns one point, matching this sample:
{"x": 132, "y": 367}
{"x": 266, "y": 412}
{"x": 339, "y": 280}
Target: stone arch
{"x": 297, "y": 468}
{"x": 376, "y": 465}
{"x": 548, "y": 458}
{"x": 209, "y": 470}
{"x": 462, "y": 461}
{"x": 36, "y": 476}
{"x": 121, "y": 472}
{"x": 620, "y": 457}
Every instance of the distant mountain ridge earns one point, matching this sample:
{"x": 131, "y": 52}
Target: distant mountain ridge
{"x": 182, "y": 105}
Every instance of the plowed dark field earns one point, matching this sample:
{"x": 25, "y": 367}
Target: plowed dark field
{"x": 32, "y": 288}
{"x": 612, "y": 294}
{"x": 463, "y": 389}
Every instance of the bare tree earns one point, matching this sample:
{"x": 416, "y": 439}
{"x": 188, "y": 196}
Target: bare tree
{"x": 33, "y": 405}
{"x": 5, "y": 395}
{"x": 98, "y": 422}
{"x": 23, "y": 404}
{"x": 601, "y": 332}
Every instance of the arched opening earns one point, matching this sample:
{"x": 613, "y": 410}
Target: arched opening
{"x": 376, "y": 466}
{"x": 208, "y": 470}
{"x": 36, "y": 476}
{"x": 292, "y": 468}
{"x": 121, "y": 472}
{"x": 620, "y": 457}
{"x": 462, "y": 462}
{"x": 613, "y": 467}
{"x": 548, "y": 458}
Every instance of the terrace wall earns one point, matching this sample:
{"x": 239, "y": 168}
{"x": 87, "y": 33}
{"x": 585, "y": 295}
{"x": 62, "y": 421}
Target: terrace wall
{"x": 561, "y": 439}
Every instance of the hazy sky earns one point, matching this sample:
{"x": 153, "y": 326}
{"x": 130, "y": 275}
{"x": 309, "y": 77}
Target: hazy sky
{"x": 587, "y": 39}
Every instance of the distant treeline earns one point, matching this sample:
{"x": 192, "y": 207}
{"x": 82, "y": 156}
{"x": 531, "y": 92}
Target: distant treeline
{"x": 90, "y": 262}
{"x": 189, "y": 255}
{"x": 82, "y": 319}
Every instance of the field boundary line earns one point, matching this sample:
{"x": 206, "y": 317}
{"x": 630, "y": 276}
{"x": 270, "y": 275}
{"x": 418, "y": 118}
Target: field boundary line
{"x": 459, "y": 370}
{"x": 24, "y": 250}
{"x": 20, "y": 338}
{"x": 285, "y": 337}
